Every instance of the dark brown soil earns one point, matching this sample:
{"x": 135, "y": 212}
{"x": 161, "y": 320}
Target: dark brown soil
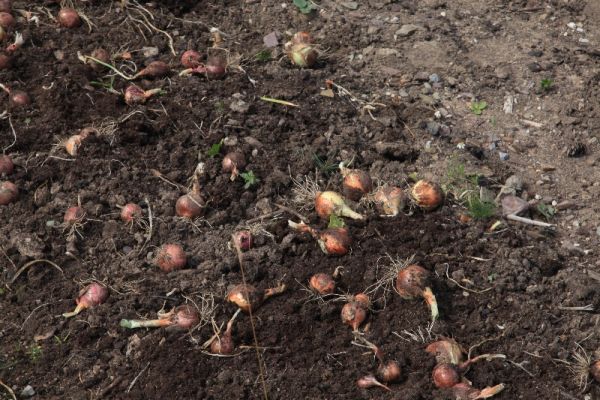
{"x": 516, "y": 278}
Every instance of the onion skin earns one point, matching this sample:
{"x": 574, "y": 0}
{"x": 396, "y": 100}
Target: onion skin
{"x": 246, "y": 297}
{"x": 73, "y": 144}
{"x": 190, "y": 205}
{"x": 302, "y": 37}
{"x": 445, "y": 376}
{"x": 303, "y": 55}
{"x": 232, "y": 163}
{"x": 595, "y": 370}
{"x": 390, "y": 200}
{"x": 156, "y": 69}
{"x": 354, "y": 314}
{"x": 131, "y": 212}
{"x": 446, "y": 351}
{"x": 335, "y": 241}
{"x": 327, "y": 203}
{"x": 92, "y": 295}
{"x": 171, "y": 257}
{"x": 191, "y": 59}
{"x": 68, "y": 18}
{"x": 18, "y": 98}
{"x": 389, "y": 372}
{"x": 243, "y": 240}
{"x": 6, "y": 165}
{"x": 356, "y": 184}
{"x": 427, "y": 195}
{"x": 322, "y": 284}
{"x": 8, "y": 193}
{"x": 414, "y": 281}
{"x": 185, "y": 317}
{"x": 74, "y": 215}
{"x": 7, "y": 21}
{"x": 5, "y": 6}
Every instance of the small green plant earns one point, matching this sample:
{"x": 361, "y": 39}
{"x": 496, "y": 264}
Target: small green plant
{"x": 325, "y": 166}
{"x": 491, "y": 277}
{"x": 305, "y": 6}
{"x": 335, "y": 222}
{"x": 108, "y": 85}
{"x": 215, "y": 149}
{"x": 465, "y": 189}
{"x": 479, "y": 209}
{"x": 219, "y": 107}
{"x": 547, "y": 211}
{"x": 546, "y": 84}
{"x": 263, "y": 55}
{"x": 477, "y": 107}
{"x": 34, "y": 352}
{"x": 249, "y": 179}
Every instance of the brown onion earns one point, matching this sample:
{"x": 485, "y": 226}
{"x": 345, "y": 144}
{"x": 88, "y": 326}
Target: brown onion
{"x": 92, "y": 295}
{"x": 223, "y": 344}
{"x": 356, "y": 183}
{"x": 191, "y": 59}
{"x": 389, "y": 372}
{"x": 6, "y": 6}
{"x": 354, "y": 314}
{"x": 74, "y": 215}
{"x": 131, "y": 212}
{"x": 243, "y": 240}
{"x": 73, "y": 143}
{"x": 68, "y": 17}
{"x": 445, "y": 375}
{"x": 8, "y": 193}
{"x": 322, "y": 284}
{"x": 414, "y": 281}
{"x": 595, "y": 370}
{"x": 246, "y": 297}
{"x": 136, "y": 95}
{"x": 156, "y": 69}
{"x": 370, "y": 381}
{"x": 390, "y": 200}
{"x": 328, "y": 203}
{"x": 190, "y": 205}
{"x": 185, "y": 317}
{"x": 216, "y": 67}
{"x": 446, "y": 351}
{"x": 7, "y": 21}
{"x": 233, "y": 162}
{"x": 99, "y": 54}
{"x": 170, "y": 257}
{"x": 335, "y": 241}
{"x": 302, "y": 54}
{"x": 6, "y": 165}
{"x": 18, "y": 98}
{"x": 427, "y": 195}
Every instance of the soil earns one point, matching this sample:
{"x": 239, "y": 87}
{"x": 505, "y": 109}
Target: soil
{"x": 502, "y": 291}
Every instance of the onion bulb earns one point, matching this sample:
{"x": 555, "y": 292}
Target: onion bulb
{"x": 6, "y": 6}
{"x": 182, "y": 317}
{"x": 99, "y": 54}
{"x": 92, "y": 295}
{"x": 18, "y": 98}
{"x": 232, "y": 163}
{"x": 445, "y": 375}
{"x": 303, "y": 55}
{"x": 8, "y": 193}
{"x": 224, "y": 344}
{"x": 327, "y": 203}
{"x": 427, "y": 195}
{"x": 413, "y": 281}
{"x": 389, "y": 372}
{"x": 446, "y": 351}
{"x": 464, "y": 391}
{"x": 6, "y": 165}
{"x": 170, "y": 257}
{"x": 370, "y": 381}
{"x": 136, "y": 95}
{"x": 243, "y": 240}
{"x": 7, "y": 21}
{"x": 191, "y": 59}
{"x": 68, "y": 17}
{"x": 322, "y": 284}
{"x": 73, "y": 143}
{"x": 215, "y": 68}
{"x": 248, "y": 298}
{"x": 356, "y": 184}
{"x": 354, "y": 313}
{"x": 595, "y": 370}
{"x": 389, "y": 200}
{"x": 190, "y": 205}
{"x": 335, "y": 241}
{"x": 74, "y": 215}
{"x": 156, "y": 69}
{"x": 131, "y": 212}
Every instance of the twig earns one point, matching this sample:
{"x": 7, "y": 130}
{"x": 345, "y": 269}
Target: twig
{"x": 261, "y": 217}
{"x": 31, "y": 313}
{"x": 258, "y": 356}
{"x": 8, "y": 258}
{"x": 29, "y": 264}
{"x": 519, "y": 365}
{"x": 137, "y": 377}
{"x": 277, "y": 101}
{"x": 9, "y": 390}
{"x": 297, "y": 214}
{"x": 149, "y": 224}
{"x": 169, "y": 38}
{"x": 589, "y": 307}
{"x": 84, "y": 59}
{"x": 528, "y": 221}
{"x": 14, "y": 135}
{"x": 160, "y": 176}
{"x": 463, "y": 287}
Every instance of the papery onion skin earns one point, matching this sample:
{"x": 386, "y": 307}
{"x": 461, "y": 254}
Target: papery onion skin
{"x": 171, "y": 257}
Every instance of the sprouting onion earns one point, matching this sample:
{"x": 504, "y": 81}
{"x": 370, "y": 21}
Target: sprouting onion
{"x": 414, "y": 281}
{"x": 182, "y": 317}
{"x": 248, "y": 298}
{"x": 92, "y": 295}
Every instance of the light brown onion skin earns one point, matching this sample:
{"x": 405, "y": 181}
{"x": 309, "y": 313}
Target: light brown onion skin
{"x": 301, "y": 37}
{"x": 135, "y": 95}
{"x": 445, "y": 376}
{"x": 223, "y": 345}
{"x": 6, "y": 6}
{"x": 233, "y": 161}
{"x": 7, "y": 21}
{"x": 6, "y": 165}
{"x": 322, "y": 284}
{"x": 216, "y": 67}
{"x": 411, "y": 281}
{"x": 336, "y": 241}
{"x": 389, "y": 372}
{"x": 390, "y": 200}
{"x": 131, "y": 212}
{"x": 595, "y": 371}
{"x": 186, "y": 317}
{"x": 191, "y": 59}
{"x": 74, "y": 215}
{"x": 92, "y": 295}
{"x": 156, "y": 69}
{"x": 354, "y": 314}
{"x": 427, "y": 195}
{"x": 356, "y": 184}
{"x": 190, "y": 206}
{"x": 170, "y": 257}
{"x": 8, "y": 193}
{"x": 68, "y": 18}
{"x": 18, "y": 98}
{"x": 246, "y": 297}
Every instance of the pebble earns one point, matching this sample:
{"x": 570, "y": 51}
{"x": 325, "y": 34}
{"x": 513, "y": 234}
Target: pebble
{"x": 27, "y": 391}
{"x": 422, "y": 76}
{"x": 150, "y": 51}
{"x": 271, "y": 40}
{"x": 598, "y": 230}
{"x": 434, "y": 78}
{"x": 433, "y": 128}
{"x": 534, "y": 67}
{"x": 513, "y": 205}
{"x": 406, "y": 30}
{"x": 572, "y": 25}
{"x": 503, "y": 156}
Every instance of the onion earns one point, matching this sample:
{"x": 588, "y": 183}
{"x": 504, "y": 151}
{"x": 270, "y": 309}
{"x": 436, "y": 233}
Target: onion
{"x": 390, "y": 200}
{"x": 7, "y": 21}
{"x": 72, "y": 144}
{"x": 445, "y": 375}
{"x": 18, "y": 98}
{"x": 92, "y": 295}
{"x": 8, "y": 193}
{"x": 389, "y": 372}
{"x": 412, "y": 282}
{"x": 335, "y": 241}
{"x": 446, "y": 351}
{"x": 322, "y": 284}
{"x": 6, "y": 165}
{"x": 131, "y": 212}
{"x": 232, "y": 163}
{"x": 191, "y": 59}
{"x": 356, "y": 183}
{"x": 354, "y": 313}
{"x": 370, "y": 381}
{"x": 464, "y": 391}
{"x": 182, "y": 317}
{"x": 136, "y": 95}
{"x": 5, "y": 6}
{"x": 224, "y": 344}
{"x": 248, "y": 298}
{"x": 301, "y": 37}
{"x": 327, "y": 203}
{"x": 302, "y": 54}
{"x": 216, "y": 67}
{"x": 243, "y": 240}
{"x": 156, "y": 69}
{"x": 5, "y": 62}
{"x": 74, "y": 215}
{"x": 170, "y": 257}
{"x": 69, "y": 18}
{"x": 427, "y": 195}
{"x": 99, "y": 54}
{"x": 14, "y": 46}
{"x": 190, "y": 205}
{"x": 595, "y": 370}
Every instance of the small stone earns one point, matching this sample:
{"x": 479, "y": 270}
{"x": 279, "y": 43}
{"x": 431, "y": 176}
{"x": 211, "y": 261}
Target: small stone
{"x": 433, "y": 128}
{"x": 434, "y": 78}
{"x": 513, "y": 205}
{"x": 548, "y": 167}
{"x": 572, "y": 25}
{"x": 59, "y": 55}
{"x": 406, "y": 30}
{"x": 503, "y": 156}
{"x": 422, "y": 76}
{"x": 372, "y": 29}
{"x": 534, "y": 67}
{"x": 584, "y": 40}
{"x": 272, "y": 39}
{"x": 565, "y": 205}
{"x": 350, "y": 5}
{"x": 502, "y": 72}
{"x": 150, "y": 51}
{"x": 386, "y": 52}
{"x": 427, "y": 89}
{"x": 27, "y": 391}
{"x": 536, "y": 53}
{"x": 239, "y": 106}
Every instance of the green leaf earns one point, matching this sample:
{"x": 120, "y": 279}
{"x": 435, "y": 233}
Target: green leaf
{"x": 336, "y": 222}
{"x": 477, "y": 107}
{"x": 304, "y": 6}
{"x": 547, "y": 211}
{"x": 215, "y": 149}
{"x": 249, "y": 178}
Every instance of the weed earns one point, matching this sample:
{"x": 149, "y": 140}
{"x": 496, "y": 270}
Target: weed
{"x": 249, "y": 179}
{"x": 546, "y": 84}
{"x": 336, "y": 222}
{"x": 305, "y": 6}
{"x": 263, "y": 55}
{"x": 325, "y": 166}
{"x": 478, "y": 208}
{"x": 464, "y": 187}
{"x": 215, "y": 149}
{"x": 477, "y": 107}
{"x": 34, "y": 353}
{"x": 547, "y": 211}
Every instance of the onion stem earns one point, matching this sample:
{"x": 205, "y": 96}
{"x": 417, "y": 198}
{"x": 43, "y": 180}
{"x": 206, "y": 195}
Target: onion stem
{"x": 432, "y": 302}
{"x": 80, "y": 307}
{"x": 140, "y": 323}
